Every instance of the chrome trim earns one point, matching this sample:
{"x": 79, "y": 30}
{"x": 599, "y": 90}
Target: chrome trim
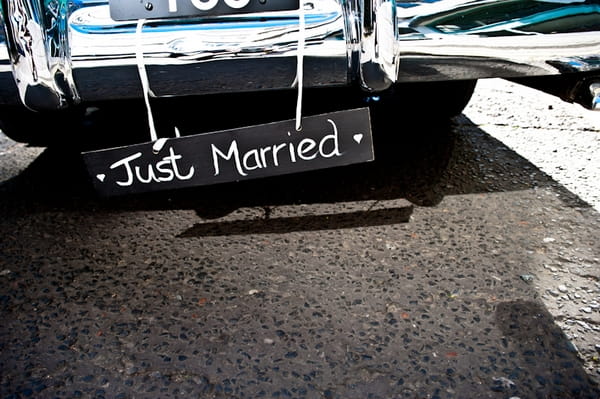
{"x": 595, "y": 91}
{"x": 369, "y": 43}
{"x": 38, "y": 49}
{"x": 467, "y": 57}
{"x": 225, "y": 54}
{"x": 470, "y": 39}
{"x": 378, "y": 61}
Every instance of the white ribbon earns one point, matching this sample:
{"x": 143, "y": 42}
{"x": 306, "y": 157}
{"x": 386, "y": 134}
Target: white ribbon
{"x": 139, "y": 58}
{"x": 299, "y": 81}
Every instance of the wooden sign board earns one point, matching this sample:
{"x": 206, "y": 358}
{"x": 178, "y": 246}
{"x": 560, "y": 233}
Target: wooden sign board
{"x": 325, "y": 141}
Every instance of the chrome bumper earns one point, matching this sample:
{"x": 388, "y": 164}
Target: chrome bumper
{"x": 57, "y": 52}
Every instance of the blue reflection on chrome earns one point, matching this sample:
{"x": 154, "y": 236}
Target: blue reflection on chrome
{"x": 545, "y": 16}
{"x": 205, "y": 24}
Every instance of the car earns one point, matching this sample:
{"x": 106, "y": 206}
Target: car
{"x": 60, "y": 61}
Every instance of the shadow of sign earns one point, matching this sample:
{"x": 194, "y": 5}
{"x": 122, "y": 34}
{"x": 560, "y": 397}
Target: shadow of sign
{"x": 418, "y": 158}
{"x": 282, "y": 225}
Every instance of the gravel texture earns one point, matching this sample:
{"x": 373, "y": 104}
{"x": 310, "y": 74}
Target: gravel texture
{"x": 452, "y": 267}
{"x": 15, "y": 157}
{"x": 561, "y": 139}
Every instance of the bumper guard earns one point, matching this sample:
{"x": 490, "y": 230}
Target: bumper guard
{"x": 57, "y": 52}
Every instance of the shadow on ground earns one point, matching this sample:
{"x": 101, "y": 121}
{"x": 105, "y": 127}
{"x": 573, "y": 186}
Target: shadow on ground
{"x": 103, "y": 301}
{"x": 418, "y": 158}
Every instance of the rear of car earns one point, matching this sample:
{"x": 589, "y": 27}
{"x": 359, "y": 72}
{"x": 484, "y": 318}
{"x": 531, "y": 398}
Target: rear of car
{"x": 58, "y": 58}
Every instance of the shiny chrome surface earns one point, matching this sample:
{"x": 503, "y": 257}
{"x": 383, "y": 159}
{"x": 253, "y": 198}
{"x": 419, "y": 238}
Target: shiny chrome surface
{"x": 38, "y": 49}
{"x": 225, "y": 54}
{"x": 369, "y": 43}
{"x": 462, "y": 39}
{"x": 378, "y": 61}
{"x": 595, "y": 91}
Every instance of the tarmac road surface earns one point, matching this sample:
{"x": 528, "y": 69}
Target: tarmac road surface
{"x": 451, "y": 267}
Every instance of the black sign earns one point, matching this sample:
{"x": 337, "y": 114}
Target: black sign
{"x": 123, "y": 10}
{"x": 325, "y": 141}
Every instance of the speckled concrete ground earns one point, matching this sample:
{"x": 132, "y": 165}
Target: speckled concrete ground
{"x": 404, "y": 278}
{"x": 561, "y": 139}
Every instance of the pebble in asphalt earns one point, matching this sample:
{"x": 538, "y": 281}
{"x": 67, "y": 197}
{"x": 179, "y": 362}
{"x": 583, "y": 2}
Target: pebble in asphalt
{"x": 402, "y": 278}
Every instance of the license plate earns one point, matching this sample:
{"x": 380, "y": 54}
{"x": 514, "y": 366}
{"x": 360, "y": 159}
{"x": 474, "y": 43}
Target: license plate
{"x": 125, "y": 10}
{"x": 328, "y": 140}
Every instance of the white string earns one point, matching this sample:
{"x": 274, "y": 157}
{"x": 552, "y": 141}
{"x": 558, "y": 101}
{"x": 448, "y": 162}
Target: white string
{"x": 139, "y": 57}
{"x": 300, "y": 65}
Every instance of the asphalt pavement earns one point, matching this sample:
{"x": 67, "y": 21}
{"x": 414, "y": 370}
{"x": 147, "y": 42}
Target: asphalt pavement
{"x": 451, "y": 267}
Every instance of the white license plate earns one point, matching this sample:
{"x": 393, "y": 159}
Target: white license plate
{"x": 125, "y": 10}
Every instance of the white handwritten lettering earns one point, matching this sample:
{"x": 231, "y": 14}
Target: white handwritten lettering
{"x": 251, "y": 155}
{"x": 276, "y": 149}
{"x": 167, "y": 169}
{"x": 163, "y": 167}
{"x": 174, "y": 158}
{"x": 336, "y": 145}
{"x": 151, "y": 176}
{"x": 233, "y": 153}
{"x": 307, "y": 149}
{"x": 305, "y": 146}
{"x": 125, "y": 162}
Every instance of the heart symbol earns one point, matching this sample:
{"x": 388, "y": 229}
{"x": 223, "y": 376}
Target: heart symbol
{"x": 358, "y": 138}
{"x": 101, "y": 177}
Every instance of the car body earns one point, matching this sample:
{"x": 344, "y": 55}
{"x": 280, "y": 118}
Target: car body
{"x": 58, "y": 54}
